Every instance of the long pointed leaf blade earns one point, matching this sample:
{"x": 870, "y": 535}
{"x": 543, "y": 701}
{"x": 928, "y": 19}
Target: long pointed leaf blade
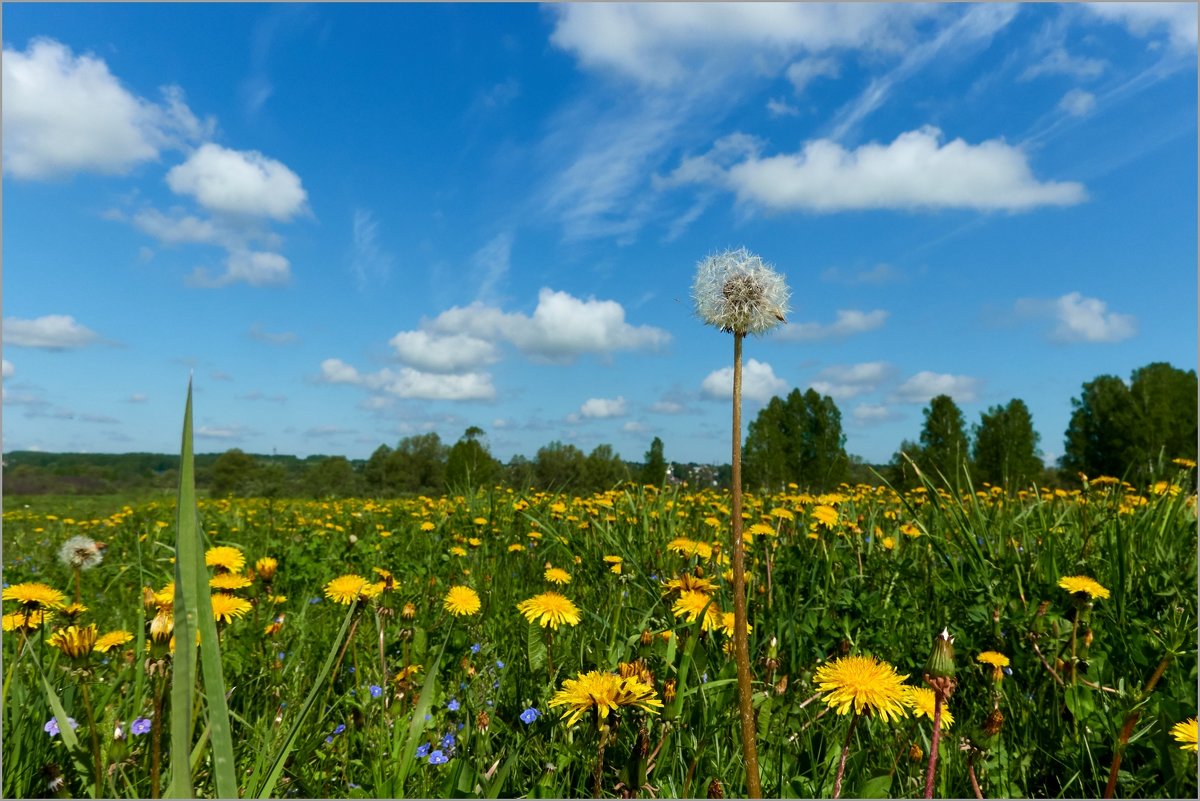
{"x": 183, "y": 664}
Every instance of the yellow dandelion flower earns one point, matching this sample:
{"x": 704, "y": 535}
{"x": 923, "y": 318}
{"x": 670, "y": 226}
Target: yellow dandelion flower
{"x": 72, "y": 610}
{"x": 825, "y": 515}
{"x": 997, "y": 660}
{"x": 461, "y": 600}
{"x": 75, "y": 641}
{"x": 226, "y": 607}
{"x": 427, "y": 526}
{"x": 225, "y": 557}
{"x": 229, "y": 581}
{"x": 162, "y": 627}
{"x": 1185, "y": 733}
{"x": 1189, "y": 464}
{"x": 690, "y": 605}
{"x": 165, "y": 598}
{"x": 557, "y": 575}
{"x": 106, "y": 642}
{"x": 864, "y": 682}
{"x": 782, "y": 514}
{"x": 458, "y": 550}
{"x": 266, "y": 567}
{"x": 480, "y": 521}
{"x": 688, "y": 548}
{"x": 761, "y": 528}
{"x": 1083, "y": 584}
{"x": 888, "y": 542}
{"x": 689, "y": 582}
{"x": 604, "y": 692}
{"x": 515, "y": 547}
{"x": 20, "y": 621}
{"x": 920, "y": 700}
{"x": 727, "y": 624}
{"x": 35, "y": 595}
{"x": 552, "y": 608}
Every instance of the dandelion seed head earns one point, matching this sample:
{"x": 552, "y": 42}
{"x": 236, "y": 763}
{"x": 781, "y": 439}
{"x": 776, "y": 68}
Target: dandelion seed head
{"x": 737, "y": 292}
{"x": 81, "y": 553}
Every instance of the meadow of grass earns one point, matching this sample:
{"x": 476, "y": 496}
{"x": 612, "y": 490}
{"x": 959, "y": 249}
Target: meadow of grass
{"x": 398, "y": 693}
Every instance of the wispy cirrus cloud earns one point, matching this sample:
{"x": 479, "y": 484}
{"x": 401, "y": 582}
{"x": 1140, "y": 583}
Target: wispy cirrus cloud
{"x": 848, "y": 323}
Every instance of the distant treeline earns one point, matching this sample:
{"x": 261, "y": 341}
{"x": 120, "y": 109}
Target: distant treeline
{"x": 1129, "y": 430}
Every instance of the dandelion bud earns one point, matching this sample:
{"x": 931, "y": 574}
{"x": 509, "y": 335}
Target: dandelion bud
{"x": 715, "y": 790}
{"x": 669, "y": 691}
{"x": 409, "y": 612}
{"x": 647, "y": 637}
{"x": 941, "y": 660}
{"x": 266, "y": 568}
{"x": 915, "y": 753}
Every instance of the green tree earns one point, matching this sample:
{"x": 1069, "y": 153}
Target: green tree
{"x": 654, "y": 471}
{"x": 379, "y": 473}
{"x": 233, "y": 473}
{"x": 470, "y": 464}
{"x": 943, "y": 440}
{"x": 1120, "y": 429}
{"x": 519, "y": 473}
{"x": 796, "y": 439}
{"x": 900, "y": 472}
{"x": 559, "y": 467}
{"x": 1101, "y": 437}
{"x": 1005, "y": 450}
{"x": 603, "y": 470}
{"x": 419, "y": 463}
{"x": 332, "y": 477}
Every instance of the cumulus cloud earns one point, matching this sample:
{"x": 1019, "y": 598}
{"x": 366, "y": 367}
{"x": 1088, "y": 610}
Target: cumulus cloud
{"x": 65, "y": 113}
{"x": 848, "y": 381}
{"x": 634, "y": 427}
{"x": 177, "y": 229}
{"x": 600, "y": 408}
{"x": 848, "y": 323}
{"x": 804, "y": 71}
{"x": 1077, "y": 102}
{"x": 873, "y": 413}
{"x": 1178, "y": 20}
{"x": 239, "y": 182}
{"x": 759, "y": 382}
{"x": 1080, "y": 319}
{"x": 8, "y": 368}
{"x": 669, "y": 407}
{"x": 51, "y": 332}
{"x": 656, "y": 43}
{"x": 442, "y": 353}
{"x": 925, "y": 385}
{"x": 918, "y": 170}
{"x": 256, "y": 268}
{"x": 561, "y": 328}
{"x": 409, "y": 383}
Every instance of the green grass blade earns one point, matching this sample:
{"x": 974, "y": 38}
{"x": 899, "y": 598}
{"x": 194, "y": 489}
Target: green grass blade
{"x": 68, "y": 735}
{"x": 183, "y": 665}
{"x": 268, "y": 785}
{"x": 417, "y": 726}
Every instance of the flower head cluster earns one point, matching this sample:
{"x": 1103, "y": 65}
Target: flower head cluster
{"x": 997, "y": 660}
{"x": 737, "y": 292}
{"x": 1185, "y": 733}
{"x": 920, "y": 700}
{"x": 351, "y": 587}
{"x": 33, "y": 596}
{"x": 226, "y": 558}
{"x": 865, "y": 683}
{"x": 1083, "y": 584}
{"x": 81, "y": 553}
{"x": 552, "y": 608}
{"x": 604, "y": 692}
{"x": 461, "y": 600}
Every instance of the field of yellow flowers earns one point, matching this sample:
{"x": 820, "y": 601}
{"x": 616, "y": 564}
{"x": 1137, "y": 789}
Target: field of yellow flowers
{"x": 508, "y": 644}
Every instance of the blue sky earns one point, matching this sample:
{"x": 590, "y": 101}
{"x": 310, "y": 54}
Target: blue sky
{"x": 352, "y": 224}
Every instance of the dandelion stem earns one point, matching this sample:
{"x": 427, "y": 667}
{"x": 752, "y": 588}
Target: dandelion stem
{"x": 95, "y": 735}
{"x": 740, "y": 630}
{"x": 938, "y": 700}
{"x": 841, "y": 770}
{"x": 1131, "y": 721}
{"x": 971, "y": 775}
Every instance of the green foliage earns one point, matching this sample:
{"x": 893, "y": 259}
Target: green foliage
{"x": 559, "y": 467}
{"x": 654, "y": 469}
{"x": 798, "y": 439}
{"x": 943, "y": 439}
{"x": 470, "y": 464}
{"x": 332, "y": 477}
{"x": 1005, "y": 450}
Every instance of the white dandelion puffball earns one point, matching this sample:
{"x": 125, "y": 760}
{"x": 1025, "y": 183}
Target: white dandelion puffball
{"x": 81, "y": 553}
{"x": 737, "y": 292}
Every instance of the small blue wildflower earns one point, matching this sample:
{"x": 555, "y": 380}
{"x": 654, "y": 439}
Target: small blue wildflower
{"x": 448, "y": 741}
{"x": 329, "y": 739}
{"x": 51, "y": 726}
{"x": 704, "y": 677}
{"x": 427, "y": 716}
{"x": 314, "y": 600}
{"x": 351, "y": 668}
{"x": 438, "y": 758}
{"x": 495, "y": 684}
{"x": 352, "y": 693}
{"x": 499, "y": 664}
{"x": 341, "y": 727}
{"x": 530, "y": 715}
{"x": 376, "y": 690}
{"x": 423, "y": 750}
{"x": 140, "y": 726}
{"x": 462, "y": 685}
{"x": 453, "y": 705}
{"x": 282, "y": 654}
{"x": 1007, "y": 671}
{"x": 475, "y": 648}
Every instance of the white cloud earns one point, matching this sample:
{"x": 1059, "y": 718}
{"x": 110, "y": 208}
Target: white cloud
{"x": 1058, "y": 61}
{"x": 781, "y": 108}
{"x": 490, "y": 265}
{"x": 271, "y": 338}
{"x": 65, "y": 113}
{"x": 256, "y": 268}
{"x": 657, "y": 43}
{"x": 848, "y": 323}
{"x": 634, "y": 427}
{"x": 177, "y": 229}
{"x": 561, "y": 328}
{"x": 367, "y": 259}
{"x": 925, "y": 385}
{"x": 1077, "y": 102}
{"x": 670, "y": 407}
{"x": 805, "y": 71}
{"x": 872, "y": 413}
{"x": 137, "y": 397}
{"x": 409, "y": 383}
{"x": 599, "y": 408}
{"x": 1147, "y": 19}
{"x": 220, "y": 432}
{"x": 51, "y": 332}
{"x": 436, "y": 353}
{"x": 8, "y": 368}
{"x": 239, "y": 182}
{"x": 1083, "y": 319}
{"x": 759, "y": 382}
{"x": 915, "y": 171}
{"x": 839, "y": 382}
